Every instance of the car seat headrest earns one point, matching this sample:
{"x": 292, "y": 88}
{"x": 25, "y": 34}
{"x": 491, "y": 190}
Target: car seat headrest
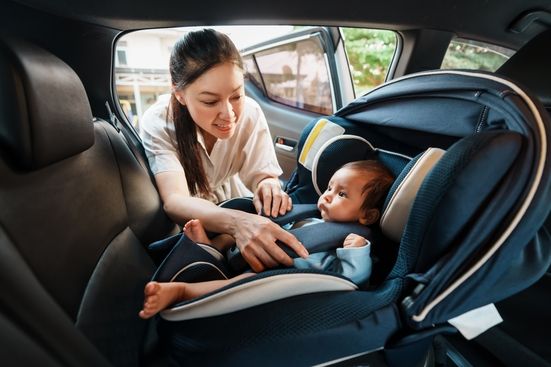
{"x": 335, "y": 153}
{"x": 403, "y": 191}
{"x": 324, "y": 148}
{"x": 327, "y": 148}
{"x": 45, "y": 115}
{"x": 530, "y": 65}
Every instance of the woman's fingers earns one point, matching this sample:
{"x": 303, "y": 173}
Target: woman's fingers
{"x": 267, "y": 199}
{"x": 257, "y": 202}
{"x": 276, "y": 201}
{"x": 260, "y": 258}
{"x": 286, "y": 203}
{"x": 270, "y": 199}
{"x": 292, "y": 242}
{"x": 258, "y": 245}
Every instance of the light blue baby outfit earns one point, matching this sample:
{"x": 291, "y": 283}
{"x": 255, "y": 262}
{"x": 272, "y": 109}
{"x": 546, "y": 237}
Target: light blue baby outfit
{"x": 352, "y": 262}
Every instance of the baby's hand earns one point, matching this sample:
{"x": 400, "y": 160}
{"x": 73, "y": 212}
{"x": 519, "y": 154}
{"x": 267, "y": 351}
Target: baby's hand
{"x": 354, "y": 240}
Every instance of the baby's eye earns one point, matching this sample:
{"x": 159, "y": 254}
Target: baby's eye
{"x": 328, "y": 188}
{"x": 342, "y": 194}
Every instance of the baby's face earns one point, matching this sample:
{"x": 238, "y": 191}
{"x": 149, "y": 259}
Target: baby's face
{"x": 342, "y": 200}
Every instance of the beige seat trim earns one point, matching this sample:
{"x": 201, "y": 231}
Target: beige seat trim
{"x": 395, "y": 216}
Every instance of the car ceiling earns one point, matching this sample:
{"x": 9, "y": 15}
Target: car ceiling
{"x": 485, "y": 20}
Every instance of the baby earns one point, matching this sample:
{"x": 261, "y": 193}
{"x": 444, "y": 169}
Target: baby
{"x": 354, "y": 194}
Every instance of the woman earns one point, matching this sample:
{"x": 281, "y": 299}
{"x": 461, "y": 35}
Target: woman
{"x": 207, "y": 143}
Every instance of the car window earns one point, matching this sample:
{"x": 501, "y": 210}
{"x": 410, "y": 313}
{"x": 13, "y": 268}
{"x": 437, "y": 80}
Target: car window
{"x": 370, "y": 53}
{"x": 474, "y": 55}
{"x": 295, "y": 73}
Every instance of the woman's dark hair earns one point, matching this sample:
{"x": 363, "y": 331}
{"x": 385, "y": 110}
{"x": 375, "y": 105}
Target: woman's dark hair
{"x": 376, "y": 189}
{"x": 192, "y": 56}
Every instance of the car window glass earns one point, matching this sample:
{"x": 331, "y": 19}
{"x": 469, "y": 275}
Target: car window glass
{"x": 474, "y": 55}
{"x": 251, "y": 71}
{"x": 370, "y": 53}
{"x": 295, "y": 74}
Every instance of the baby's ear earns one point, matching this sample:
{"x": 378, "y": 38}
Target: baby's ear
{"x": 370, "y": 217}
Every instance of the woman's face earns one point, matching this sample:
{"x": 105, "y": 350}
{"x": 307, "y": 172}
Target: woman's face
{"x": 215, "y": 101}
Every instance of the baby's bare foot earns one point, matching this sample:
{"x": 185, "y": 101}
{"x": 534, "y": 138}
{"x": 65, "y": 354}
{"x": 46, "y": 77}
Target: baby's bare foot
{"x": 159, "y": 296}
{"x": 195, "y": 231}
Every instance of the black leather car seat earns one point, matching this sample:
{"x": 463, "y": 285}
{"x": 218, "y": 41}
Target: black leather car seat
{"x": 77, "y": 212}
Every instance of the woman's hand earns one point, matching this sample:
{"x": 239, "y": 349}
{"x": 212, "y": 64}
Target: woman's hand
{"x": 256, "y": 237}
{"x": 270, "y": 199}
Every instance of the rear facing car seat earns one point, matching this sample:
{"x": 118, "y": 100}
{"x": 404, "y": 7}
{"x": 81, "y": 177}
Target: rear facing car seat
{"x": 77, "y": 213}
{"x": 473, "y": 236}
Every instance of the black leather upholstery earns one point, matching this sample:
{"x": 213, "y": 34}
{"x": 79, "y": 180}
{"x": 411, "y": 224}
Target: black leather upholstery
{"x": 78, "y": 211}
{"x": 530, "y": 66}
{"x": 44, "y": 114}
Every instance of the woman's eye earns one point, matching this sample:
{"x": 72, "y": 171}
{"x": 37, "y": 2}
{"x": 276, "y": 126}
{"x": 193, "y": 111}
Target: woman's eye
{"x": 236, "y": 98}
{"x": 209, "y": 103}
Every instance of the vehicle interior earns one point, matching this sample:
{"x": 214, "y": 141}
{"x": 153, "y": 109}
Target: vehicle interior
{"x": 79, "y": 205}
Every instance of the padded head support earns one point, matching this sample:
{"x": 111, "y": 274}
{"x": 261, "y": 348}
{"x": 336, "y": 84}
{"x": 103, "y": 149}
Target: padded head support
{"x": 336, "y": 152}
{"x": 530, "y": 67}
{"x": 45, "y": 115}
{"x": 324, "y": 148}
{"x": 403, "y": 191}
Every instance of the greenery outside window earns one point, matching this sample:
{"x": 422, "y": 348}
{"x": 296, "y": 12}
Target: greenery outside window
{"x": 370, "y": 53}
{"x": 473, "y": 55}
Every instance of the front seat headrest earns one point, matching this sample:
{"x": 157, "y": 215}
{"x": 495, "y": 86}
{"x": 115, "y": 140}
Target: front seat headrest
{"x": 530, "y": 67}
{"x": 45, "y": 115}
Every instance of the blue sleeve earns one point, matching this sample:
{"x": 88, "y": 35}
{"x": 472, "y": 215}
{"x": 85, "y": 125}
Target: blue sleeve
{"x": 355, "y": 263}
{"x": 351, "y": 262}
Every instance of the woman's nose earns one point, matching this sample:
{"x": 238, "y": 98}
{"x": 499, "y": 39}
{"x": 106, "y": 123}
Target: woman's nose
{"x": 226, "y": 111}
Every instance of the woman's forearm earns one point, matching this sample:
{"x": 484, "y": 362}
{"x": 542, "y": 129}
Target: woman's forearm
{"x": 181, "y": 208}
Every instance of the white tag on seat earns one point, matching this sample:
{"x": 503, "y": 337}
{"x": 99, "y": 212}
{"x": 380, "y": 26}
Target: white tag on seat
{"x": 473, "y": 323}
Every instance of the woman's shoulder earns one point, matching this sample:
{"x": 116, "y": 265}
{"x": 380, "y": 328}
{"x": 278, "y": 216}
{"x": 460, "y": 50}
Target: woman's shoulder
{"x": 252, "y": 108}
{"x": 253, "y": 118}
{"x": 153, "y": 121}
{"x": 158, "y": 110}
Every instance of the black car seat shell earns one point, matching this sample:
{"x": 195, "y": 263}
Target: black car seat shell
{"x": 77, "y": 213}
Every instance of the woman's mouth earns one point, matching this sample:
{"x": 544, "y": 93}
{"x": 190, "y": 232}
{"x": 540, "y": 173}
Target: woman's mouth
{"x": 223, "y": 127}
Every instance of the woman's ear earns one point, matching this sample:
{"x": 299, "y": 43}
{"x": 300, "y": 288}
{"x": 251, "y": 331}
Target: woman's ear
{"x": 371, "y": 216}
{"x": 179, "y": 96}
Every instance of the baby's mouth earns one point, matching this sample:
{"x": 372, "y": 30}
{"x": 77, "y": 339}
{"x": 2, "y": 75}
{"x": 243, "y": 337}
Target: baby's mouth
{"x": 323, "y": 210}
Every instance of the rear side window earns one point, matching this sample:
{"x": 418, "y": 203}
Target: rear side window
{"x": 474, "y": 55}
{"x": 141, "y": 70}
{"x": 295, "y": 73}
{"x": 370, "y": 53}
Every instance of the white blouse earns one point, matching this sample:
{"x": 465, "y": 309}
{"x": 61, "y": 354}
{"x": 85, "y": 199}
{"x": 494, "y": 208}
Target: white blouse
{"x": 234, "y": 167}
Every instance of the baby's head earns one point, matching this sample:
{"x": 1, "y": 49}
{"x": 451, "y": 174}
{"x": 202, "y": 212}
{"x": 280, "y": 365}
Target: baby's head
{"x": 356, "y": 193}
